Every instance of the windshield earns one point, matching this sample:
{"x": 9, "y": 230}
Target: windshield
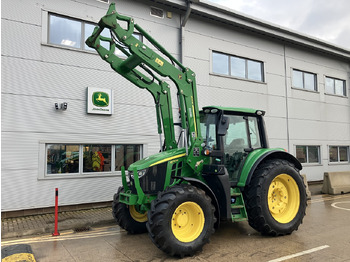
{"x": 208, "y": 129}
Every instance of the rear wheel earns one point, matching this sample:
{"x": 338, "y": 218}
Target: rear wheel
{"x": 181, "y": 220}
{"x": 128, "y": 217}
{"x": 276, "y": 198}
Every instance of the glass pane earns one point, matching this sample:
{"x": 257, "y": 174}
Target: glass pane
{"x": 220, "y": 63}
{"x": 339, "y": 87}
{"x": 313, "y": 154}
{"x": 255, "y": 70}
{"x": 238, "y": 67}
{"x": 333, "y": 154}
{"x": 97, "y": 158}
{"x": 208, "y": 129}
{"x": 309, "y": 81}
{"x": 254, "y": 132}
{"x": 125, "y": 155}
{"x": 64, "y": 31}
{"x": 297, "y": 79}
{"x": 329, "y": 85}
{"x": 236, "y": 139}
{"x": 62, "y": 159}
{"x": 343, "y": 153}
{"x": 301, "y": 154}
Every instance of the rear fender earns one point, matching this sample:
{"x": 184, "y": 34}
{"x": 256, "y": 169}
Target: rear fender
{"x": 260, "y": 155}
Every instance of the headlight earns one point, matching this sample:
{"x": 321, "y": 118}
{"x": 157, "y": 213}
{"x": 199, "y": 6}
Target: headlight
{"x": 140, "y": 173}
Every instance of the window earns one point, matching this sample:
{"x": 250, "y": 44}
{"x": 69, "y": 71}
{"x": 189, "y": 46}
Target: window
{"x": 125, "y": 155}
{"x": 238, "y": 67}
{"x": 335, "y": 86}
{"x": 65, "y": 31}
{"x": 89, "y": 158}
{"x": 238, "y": 137}
{"x": 304, "y": 80}
{"x": 308, "y": 154}
{"x": 96, "y": 158}
{"x": 72, "y": 33}
{"x": 338, "y": 154}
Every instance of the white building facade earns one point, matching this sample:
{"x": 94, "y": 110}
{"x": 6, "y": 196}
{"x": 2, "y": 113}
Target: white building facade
{"x": 52, "y": 137}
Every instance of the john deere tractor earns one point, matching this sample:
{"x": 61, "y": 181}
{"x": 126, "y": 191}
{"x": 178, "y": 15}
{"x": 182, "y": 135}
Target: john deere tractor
{"x": 219, "y": 168}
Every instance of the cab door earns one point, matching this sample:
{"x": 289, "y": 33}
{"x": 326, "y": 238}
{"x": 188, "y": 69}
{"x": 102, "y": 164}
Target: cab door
{"x": 242, "y": 137}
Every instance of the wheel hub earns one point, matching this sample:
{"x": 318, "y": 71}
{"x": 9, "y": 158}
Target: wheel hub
{"x": 283, "y": 198}
{"x": 187, "y": 221}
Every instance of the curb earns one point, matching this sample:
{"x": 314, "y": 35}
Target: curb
{"x": 66, "y": 225}
{"x": 16, "y": 253}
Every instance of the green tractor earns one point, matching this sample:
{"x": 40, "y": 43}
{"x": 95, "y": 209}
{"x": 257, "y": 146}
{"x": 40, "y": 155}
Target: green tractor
{"x": 220, "y": 167}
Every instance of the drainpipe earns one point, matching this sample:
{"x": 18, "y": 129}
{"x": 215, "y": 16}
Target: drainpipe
{"x": 182, "y": 29}
{"x": 182, "y": 52}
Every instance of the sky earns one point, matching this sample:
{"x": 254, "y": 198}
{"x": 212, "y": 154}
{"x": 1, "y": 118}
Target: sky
{"x": 328, "y": 20}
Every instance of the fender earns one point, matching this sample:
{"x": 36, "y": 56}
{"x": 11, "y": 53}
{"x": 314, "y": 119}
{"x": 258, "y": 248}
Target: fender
{"x": 257, "y": 156}
{"x": 209, "y": 192}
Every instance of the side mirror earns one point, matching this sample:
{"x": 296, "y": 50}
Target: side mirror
{"x": 223, "y": 125}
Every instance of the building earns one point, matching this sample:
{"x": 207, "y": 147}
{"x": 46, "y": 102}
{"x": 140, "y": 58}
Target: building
{"x": 53, "y": 138}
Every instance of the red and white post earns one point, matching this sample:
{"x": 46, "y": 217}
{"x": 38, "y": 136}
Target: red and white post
{"x": 56, "y": 233}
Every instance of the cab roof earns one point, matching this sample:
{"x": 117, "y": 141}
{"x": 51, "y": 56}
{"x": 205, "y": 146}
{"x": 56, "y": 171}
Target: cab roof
{"x": 236, "y": 110}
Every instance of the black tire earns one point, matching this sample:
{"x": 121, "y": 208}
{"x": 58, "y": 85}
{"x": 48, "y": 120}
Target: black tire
{"x": 123, "y": 217}
{"x": 170, "y": 207}
{"x": 270, "y": 209}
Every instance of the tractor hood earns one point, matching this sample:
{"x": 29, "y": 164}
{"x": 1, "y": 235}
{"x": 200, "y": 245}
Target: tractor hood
{"x": 157, "y": 159}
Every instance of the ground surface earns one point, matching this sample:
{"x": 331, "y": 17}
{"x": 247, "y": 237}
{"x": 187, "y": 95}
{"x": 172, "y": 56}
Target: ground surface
{"x": 324, "y": 236}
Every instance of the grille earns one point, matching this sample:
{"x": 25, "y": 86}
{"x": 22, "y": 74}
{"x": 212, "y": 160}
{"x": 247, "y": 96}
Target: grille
{"x": 153, "y": 181}
{"x": 157, "y": 12}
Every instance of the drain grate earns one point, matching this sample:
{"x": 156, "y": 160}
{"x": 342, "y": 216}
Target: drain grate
{"x": 81, "y": 229}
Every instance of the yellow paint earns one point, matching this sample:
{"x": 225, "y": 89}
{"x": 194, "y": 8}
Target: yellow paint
{"x": 283, "y": 198}
{"x": 187, "y": 222}
{"x": 168, "y": 159}
{"x": 139, "y": 217}
{"x": 159, "y": 62}
{"x": 27, "y": 257}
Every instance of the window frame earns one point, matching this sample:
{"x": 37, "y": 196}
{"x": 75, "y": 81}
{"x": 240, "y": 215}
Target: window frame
{"x": 246, "y": 67}
{"x": 338, "y": 156}
{"x": 315, "y": 90}
{"x": 307, "y": 155}
{"x": 42, "y": 174}
{"x": 334, "y": 86}
{"x": 46, "y": 31}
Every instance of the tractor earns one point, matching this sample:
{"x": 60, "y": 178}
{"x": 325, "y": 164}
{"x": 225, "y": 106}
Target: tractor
{"x": 217, "y": 166}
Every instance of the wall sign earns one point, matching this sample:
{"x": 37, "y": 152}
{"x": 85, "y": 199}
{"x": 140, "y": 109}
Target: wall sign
{"x": 99, "y": 101}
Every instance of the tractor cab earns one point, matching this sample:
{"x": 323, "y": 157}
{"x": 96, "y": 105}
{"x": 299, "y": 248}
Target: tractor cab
{"x": 230, "y": 134}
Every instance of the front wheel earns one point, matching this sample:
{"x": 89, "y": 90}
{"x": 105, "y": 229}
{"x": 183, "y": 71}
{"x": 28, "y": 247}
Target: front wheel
{"x": 128, "y": 217}
{"x": 276, "y": 198}
{"x": 181, "y": 220}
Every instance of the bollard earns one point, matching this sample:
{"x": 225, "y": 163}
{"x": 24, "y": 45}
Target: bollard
{"x": 56, "y": 233}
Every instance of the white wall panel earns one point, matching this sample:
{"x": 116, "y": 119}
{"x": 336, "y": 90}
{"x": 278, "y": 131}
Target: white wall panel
{"x": 35, "y": 75}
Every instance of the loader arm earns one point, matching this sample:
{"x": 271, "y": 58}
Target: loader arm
{"x": 144, "y": 67}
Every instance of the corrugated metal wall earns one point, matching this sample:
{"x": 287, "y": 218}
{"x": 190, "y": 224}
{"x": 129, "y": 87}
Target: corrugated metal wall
{"x": 36, "y": 75}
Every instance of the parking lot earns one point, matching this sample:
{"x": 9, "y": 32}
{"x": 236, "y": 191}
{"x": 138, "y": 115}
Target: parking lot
{"x": 323, "y": 236}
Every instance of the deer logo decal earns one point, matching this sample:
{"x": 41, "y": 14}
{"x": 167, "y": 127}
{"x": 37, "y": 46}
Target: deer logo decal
{"x": 100, "y": 99}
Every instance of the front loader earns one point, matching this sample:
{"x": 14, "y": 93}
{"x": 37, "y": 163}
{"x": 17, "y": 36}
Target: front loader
{"x": 220, "y": 168}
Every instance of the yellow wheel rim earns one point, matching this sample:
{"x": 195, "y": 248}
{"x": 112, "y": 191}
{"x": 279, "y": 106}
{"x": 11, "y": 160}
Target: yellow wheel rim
{"x": 187, "y": 221}
{"x": 137, "y": 216}
{"x": 283, "y": 198}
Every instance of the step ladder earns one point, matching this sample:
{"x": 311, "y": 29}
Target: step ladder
{"x": 238, "y": 212}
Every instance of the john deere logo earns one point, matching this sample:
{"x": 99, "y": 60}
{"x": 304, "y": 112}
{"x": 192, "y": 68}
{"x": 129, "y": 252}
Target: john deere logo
{"x": 100, "y": 99}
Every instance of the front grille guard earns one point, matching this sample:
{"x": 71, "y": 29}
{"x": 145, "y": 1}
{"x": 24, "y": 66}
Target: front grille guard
{"x": 127, "y": 197}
